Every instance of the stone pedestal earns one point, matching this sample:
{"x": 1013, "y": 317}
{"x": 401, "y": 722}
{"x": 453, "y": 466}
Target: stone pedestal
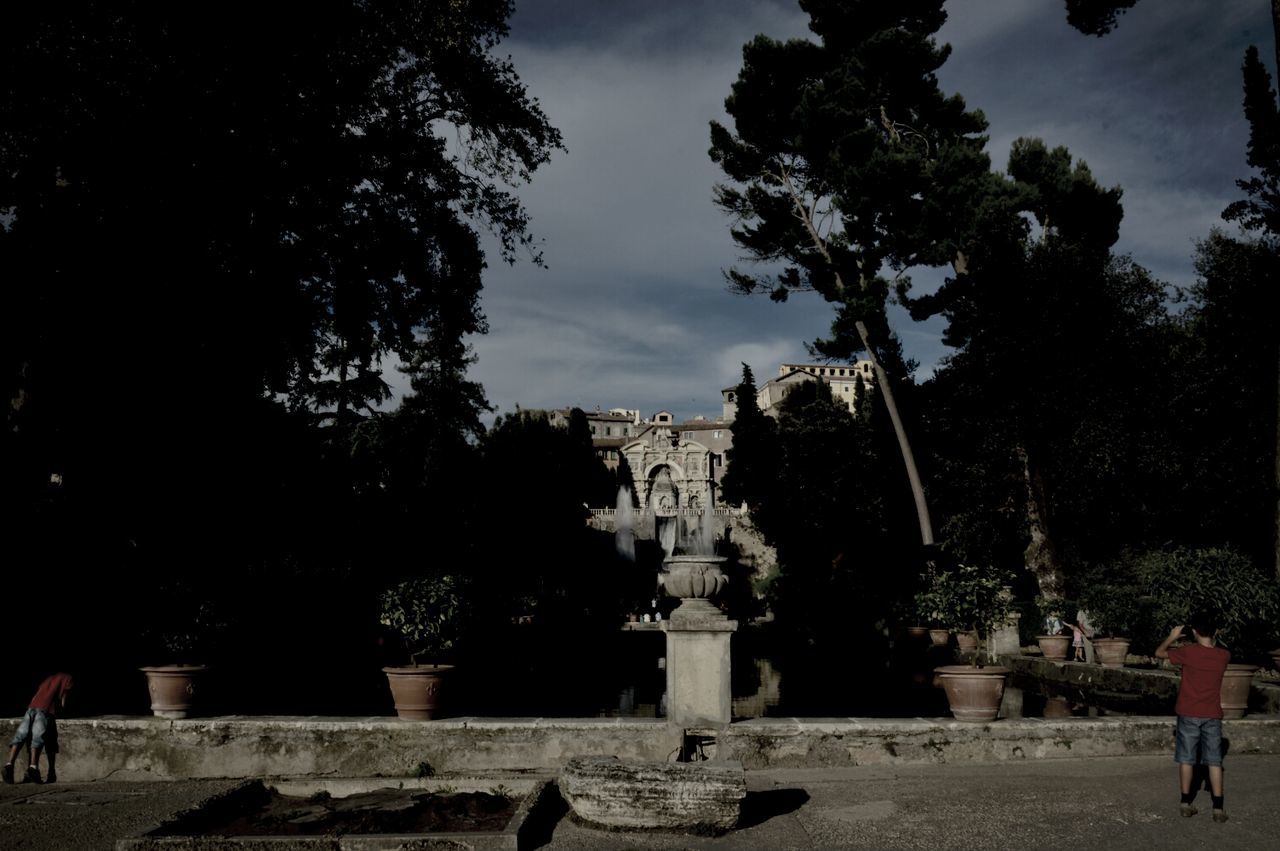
{"x": 1004, "y": 637}
{"x": 698, "y": 690}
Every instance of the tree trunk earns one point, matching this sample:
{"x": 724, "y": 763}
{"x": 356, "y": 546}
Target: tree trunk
{"x": 1041, "y": 555}
{"x": 908, "y": 457}
{"x": 1275, "y": 26}
{"x": 805, "y": 215}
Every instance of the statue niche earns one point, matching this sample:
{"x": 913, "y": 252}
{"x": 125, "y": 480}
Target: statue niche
{"x": 664, "y": 497}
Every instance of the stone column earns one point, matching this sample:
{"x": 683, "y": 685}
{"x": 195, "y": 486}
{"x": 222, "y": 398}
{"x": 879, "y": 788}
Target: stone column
{"x": 698, "y": 693}
{"x": 1004, "y": 637}
{"x": 698, "y": 689}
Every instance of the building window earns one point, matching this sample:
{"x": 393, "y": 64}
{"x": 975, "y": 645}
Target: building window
{"x": 593, "y": 429}
{"x": 718, "y": 434}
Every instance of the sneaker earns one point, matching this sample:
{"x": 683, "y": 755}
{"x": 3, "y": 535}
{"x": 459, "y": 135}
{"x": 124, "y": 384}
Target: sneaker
{"x": 51, "y": 777}
{"x": 1219, "y": 816}
{"x": 32, "y": 775}
{"x": 8, "y": 773}
{"x": 1188, "y": 811}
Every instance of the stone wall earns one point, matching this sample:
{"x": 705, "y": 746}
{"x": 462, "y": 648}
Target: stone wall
{"x": 154, "y": 749}
{"x": 1264, "y": 697}
{"x": 237, "y": 746}
{"x": 814, "y": 743}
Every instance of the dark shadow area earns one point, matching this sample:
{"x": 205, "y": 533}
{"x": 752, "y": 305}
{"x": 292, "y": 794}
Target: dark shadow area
{"x": 759, "y": 807}
{"x": 543, "y": 818}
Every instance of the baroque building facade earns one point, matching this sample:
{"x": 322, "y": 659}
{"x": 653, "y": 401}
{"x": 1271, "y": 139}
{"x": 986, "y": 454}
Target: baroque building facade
{"x": 679, "y": 466}
{"x": 670, "y": 473}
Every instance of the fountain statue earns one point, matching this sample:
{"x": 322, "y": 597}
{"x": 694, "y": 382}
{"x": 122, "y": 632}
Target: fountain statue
{"x": 624, "y": 535}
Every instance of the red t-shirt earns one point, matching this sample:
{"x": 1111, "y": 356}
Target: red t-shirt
{"x": 49, "y": 695}
{"x": 1200, "y": 695}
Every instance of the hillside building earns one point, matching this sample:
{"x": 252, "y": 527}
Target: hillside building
{"x": 843, "y": 379}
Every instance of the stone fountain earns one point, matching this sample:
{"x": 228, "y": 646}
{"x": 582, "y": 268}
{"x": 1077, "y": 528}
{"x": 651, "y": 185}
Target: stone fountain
{"x": 698, "y": 634}
{"x": 706, "y": 796}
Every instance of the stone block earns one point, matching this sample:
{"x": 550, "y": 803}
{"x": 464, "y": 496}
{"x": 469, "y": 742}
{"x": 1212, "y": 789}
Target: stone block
{"x": 686, "y": 796}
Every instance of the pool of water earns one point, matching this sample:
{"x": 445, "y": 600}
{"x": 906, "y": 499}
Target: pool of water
{"x": 769, "y": 682}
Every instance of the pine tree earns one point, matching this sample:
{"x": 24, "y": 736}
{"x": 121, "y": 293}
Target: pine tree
{"x": 847, "y": 157}
{"x": 750, "y": 462}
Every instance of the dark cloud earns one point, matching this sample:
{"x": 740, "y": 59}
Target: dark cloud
{"x": 632, "y": 310}
{"x": 653, "y": 27}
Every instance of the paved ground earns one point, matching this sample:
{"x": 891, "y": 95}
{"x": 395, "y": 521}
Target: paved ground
{"x": 1121, "y": 803}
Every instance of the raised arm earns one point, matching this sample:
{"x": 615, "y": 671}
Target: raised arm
{"x": 1162, "y": 652}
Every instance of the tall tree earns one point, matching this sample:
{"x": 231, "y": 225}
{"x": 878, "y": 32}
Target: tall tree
{"x": 1045, "y": 323}
{"x": 209, "y": 228}
{"x": 1260, "y": 211}
{"x": 848, "y": 160}
{"x": 1231, "y": 407}
{"x": 748, "y": 477}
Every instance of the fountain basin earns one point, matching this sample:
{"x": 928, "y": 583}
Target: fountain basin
{"x": 289, "y": 814}
{"x": 694, "y": 579}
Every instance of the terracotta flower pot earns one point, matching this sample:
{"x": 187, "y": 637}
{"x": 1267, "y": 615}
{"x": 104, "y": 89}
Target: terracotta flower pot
{"x": 967, "y": 641}
{"x": 174, "y": 689}
{"x": 1057, "y": 707}
{"x": 973, "y": 693}
{"x": 940, "y": 637}
{"x": 1275, "y": 658}
{"x": 416, "y": 690}
{"x": 1054, "y": 646}
{"x": 1236, "y": 682}
{"x": 1111, "y": 651}
{"x": 918, "y": 632}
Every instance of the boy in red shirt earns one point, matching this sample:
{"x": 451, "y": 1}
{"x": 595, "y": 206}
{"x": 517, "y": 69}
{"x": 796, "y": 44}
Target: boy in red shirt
{"x": 1199, "y": 709}
{"x": 39, "y": 728}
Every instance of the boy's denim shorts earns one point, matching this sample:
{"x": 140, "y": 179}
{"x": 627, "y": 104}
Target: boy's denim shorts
{"x": 1199, "y": 740}
{"x": 40, "y": 727}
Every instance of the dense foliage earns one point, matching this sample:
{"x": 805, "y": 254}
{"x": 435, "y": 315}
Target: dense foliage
{"x": 215, "y": 232}
{"x": 964, "y": 597}
{"x": 1089, "y": 410}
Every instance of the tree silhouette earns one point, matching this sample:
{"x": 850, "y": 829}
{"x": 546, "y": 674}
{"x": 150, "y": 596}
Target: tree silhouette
{"x": 848, "y": 159}
{"x": 214, "y": 233}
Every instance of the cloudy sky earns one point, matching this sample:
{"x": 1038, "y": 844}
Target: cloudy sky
{"x": 632, "y": 310}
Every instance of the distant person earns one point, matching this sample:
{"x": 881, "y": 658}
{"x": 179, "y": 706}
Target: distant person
{"x": 1199, "y": 708}
{"x": 38, "y": 729}
{"x": 1077, "y": 641}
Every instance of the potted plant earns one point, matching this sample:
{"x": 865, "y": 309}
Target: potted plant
{"x": 1113, "y": 610}
{"x": 1053, "y": 644}
{"x": 973, "y": 597}
{"x": 430, "y": 614}
{"x": 189, "y": 627}
{"x": 930, "y": 612}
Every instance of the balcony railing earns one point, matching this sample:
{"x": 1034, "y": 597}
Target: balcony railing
{"x": 740, "y": 511}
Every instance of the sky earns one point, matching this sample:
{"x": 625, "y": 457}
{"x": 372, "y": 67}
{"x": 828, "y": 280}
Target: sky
{"x": 631, "y": 309}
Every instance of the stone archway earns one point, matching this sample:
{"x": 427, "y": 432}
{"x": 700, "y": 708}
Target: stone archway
{"x": 664, "y": 495}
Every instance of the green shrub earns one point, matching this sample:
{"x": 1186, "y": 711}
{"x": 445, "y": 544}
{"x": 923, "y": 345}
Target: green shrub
{"x": 1244, "y": 600}
{"x": 965, "y": 597}
{"x": 1114, "y": 609}
{"x": 431, "y": 613}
